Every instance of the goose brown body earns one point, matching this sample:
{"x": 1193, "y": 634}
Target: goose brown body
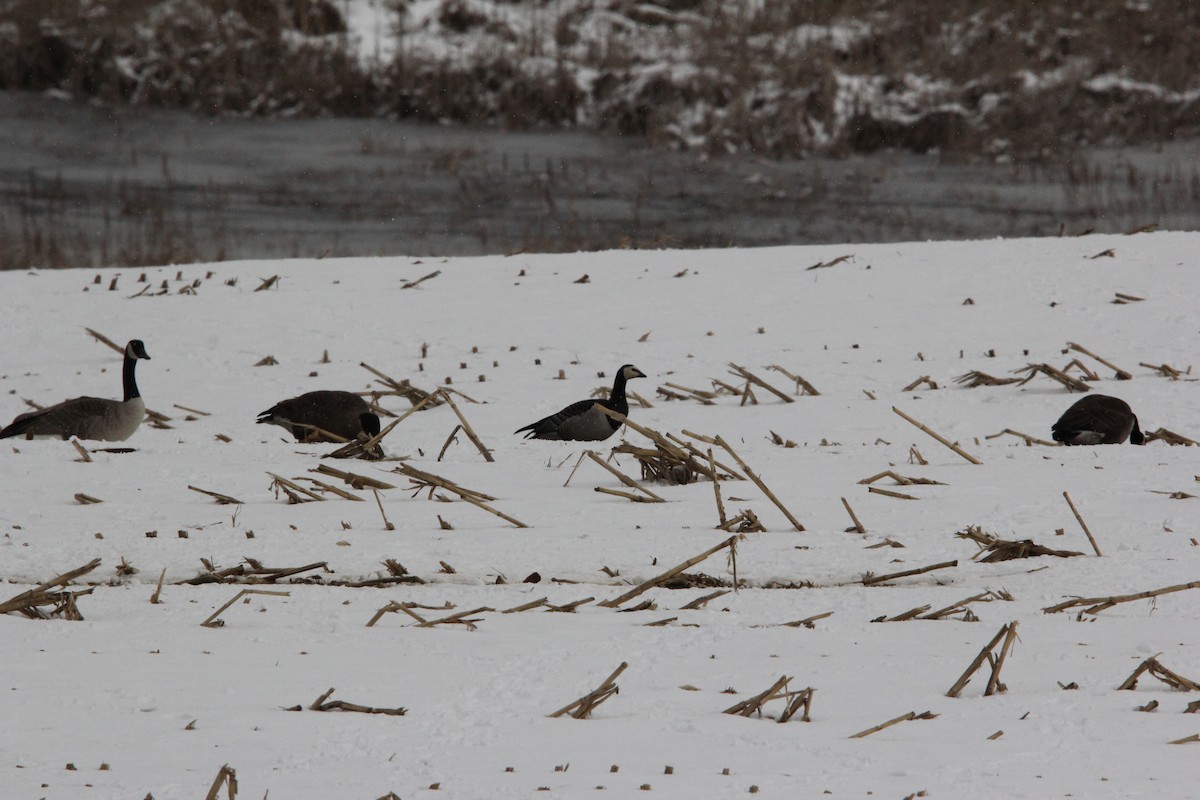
{"x": 93, "y": 418}
{"x": 310, "y": 416}
{"x": 1098, "y": 419}
{"x": 583, "y": 421}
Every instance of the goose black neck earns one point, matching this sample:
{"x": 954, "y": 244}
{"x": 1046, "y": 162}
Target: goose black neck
{"x": 127, "y": 377}
{"x": 618, "y": 390}
{"x": 616, "y": 400}
{"x": 1136, "y": 436}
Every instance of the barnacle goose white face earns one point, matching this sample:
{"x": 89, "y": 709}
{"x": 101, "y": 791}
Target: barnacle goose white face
{"x": 630, "y": 372}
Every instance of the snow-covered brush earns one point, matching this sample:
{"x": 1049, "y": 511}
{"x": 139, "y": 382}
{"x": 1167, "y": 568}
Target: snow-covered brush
{"x": 1094, "y": 605}
{"x": 975, "y": 378}
{"x": 958, "y": 607}
{"x": 1170, "y": 437}
{"x": 1156, "y": 669}
{"x": 926, "y": 429}
{"x": 1007, "y": 633}
{"x": 644, "y": 495}
{"x": 323, "y": 703}
{"x": 48, "y": 593}
{"x": 992, "y": 548}
{"x": 1029, "y": 440}
{"x": 871, "y": 580}
{"x": 214, "y": 620}
{"x": 427, "y": 481}
{"x": 583, "y": 707}
{"x": 1072, "y": 383}
{"x": 797, "y": 702}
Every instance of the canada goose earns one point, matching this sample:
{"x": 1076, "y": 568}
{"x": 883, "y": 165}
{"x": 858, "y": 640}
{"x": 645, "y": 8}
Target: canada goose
{"x": 89, "y": 417}
{"x": 343, "y": 414}
{"x": 583, "y": 421}
{"x": 1098, "y": 419}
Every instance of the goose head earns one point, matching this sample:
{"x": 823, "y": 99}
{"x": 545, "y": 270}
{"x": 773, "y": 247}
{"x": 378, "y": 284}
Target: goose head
{"x": 629, "y": 372}
{"x": 1136, "y": 436}
{"x": 370, "y": 423}
{"x": 136, "y": 349}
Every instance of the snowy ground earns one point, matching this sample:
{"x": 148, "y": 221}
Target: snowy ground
{"x": 140, "y": 698}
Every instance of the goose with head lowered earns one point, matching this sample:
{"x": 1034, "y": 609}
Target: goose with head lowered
{"x": 584, "y": 421}
{"x": 89, "y": 417}
{"x": 312, "y": 416}
{"x": 1098, "y": 419}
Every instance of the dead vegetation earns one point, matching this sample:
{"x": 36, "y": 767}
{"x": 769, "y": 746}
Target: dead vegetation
{"x": 1007, "y": 634}
{"x": 52, "y": 593}
{"x": 583, "y": 707}
{"x": 323, "y": 703}
{"x": 1153, "y": 667}
{"x": 798, "y": 702}
{"x": 960, "y": 607}
{"x": 181, "y": 60}
{"x": 1095, "y": 605}
{"x": 992, "y": 548}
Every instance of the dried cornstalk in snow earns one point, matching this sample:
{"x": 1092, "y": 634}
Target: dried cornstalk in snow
{"x": 47, "y": 593}
{"x": 1155, "y": 668}
{"x": 924, "y": 379}
{"x": 226, "y": 777}
{"x": 1007, "y": 633}
{"x": 623, "y": 478}
{"x": 466, "y": 426}
{"x": 992, "y": 548}
{"x": 1122, "y": 375}
{"x": 902, "y": 718}
{"x": 251, "y": 572}
{"x": 801, "y": 384}
{"x": 222, "y": 499}
{"x": 758, "y": 482}
{"x": 925, "y": 429}
{"x": 214, "y": 622}
{"x": 422, "y": 480}
{"x": 460, "y": 618}
{"x": 1170, "y": 437}
{"x": 1073, "y": 384}
{"x": 750, "y": 377}
{"x": 1098, "y": 604}
{"x": 645, "y": 586}
{"x": 750, "y": 705}
{"x": 874, "y": 579}
{"x": 323, "y": 703}
{"x": 1082, "y": 524}
{"x": 581, "y": 708}
{"x": 901, "y": 480}
{"x": 976, "y": 378}
{"x": 1166, "y": 370}
{"x": 1029, "y": 440}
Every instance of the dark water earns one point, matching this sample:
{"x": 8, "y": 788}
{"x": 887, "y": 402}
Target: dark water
{"x": 126, "y": 186}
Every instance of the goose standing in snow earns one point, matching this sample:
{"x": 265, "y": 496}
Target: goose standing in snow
{"x": 1098, "y": 419}
{"x": 313, "y": 415}
{"x": 89, "y": 417}
{"x": 584, "y": 421}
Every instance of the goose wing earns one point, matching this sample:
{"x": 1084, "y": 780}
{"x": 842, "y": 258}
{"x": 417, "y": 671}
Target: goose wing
{"x": 339, "y": 413}
{"x": 85, "y": 417}
{"x": 1094, "y": 420}
{"x": 581, "y": 421}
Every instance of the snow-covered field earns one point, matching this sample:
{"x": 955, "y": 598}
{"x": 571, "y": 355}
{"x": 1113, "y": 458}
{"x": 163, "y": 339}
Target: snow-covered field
{"x": 139, "y": 699}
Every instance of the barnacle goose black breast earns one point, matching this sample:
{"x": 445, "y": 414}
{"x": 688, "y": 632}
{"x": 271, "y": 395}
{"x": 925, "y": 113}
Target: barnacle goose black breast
{"x": 584, "y": 421}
